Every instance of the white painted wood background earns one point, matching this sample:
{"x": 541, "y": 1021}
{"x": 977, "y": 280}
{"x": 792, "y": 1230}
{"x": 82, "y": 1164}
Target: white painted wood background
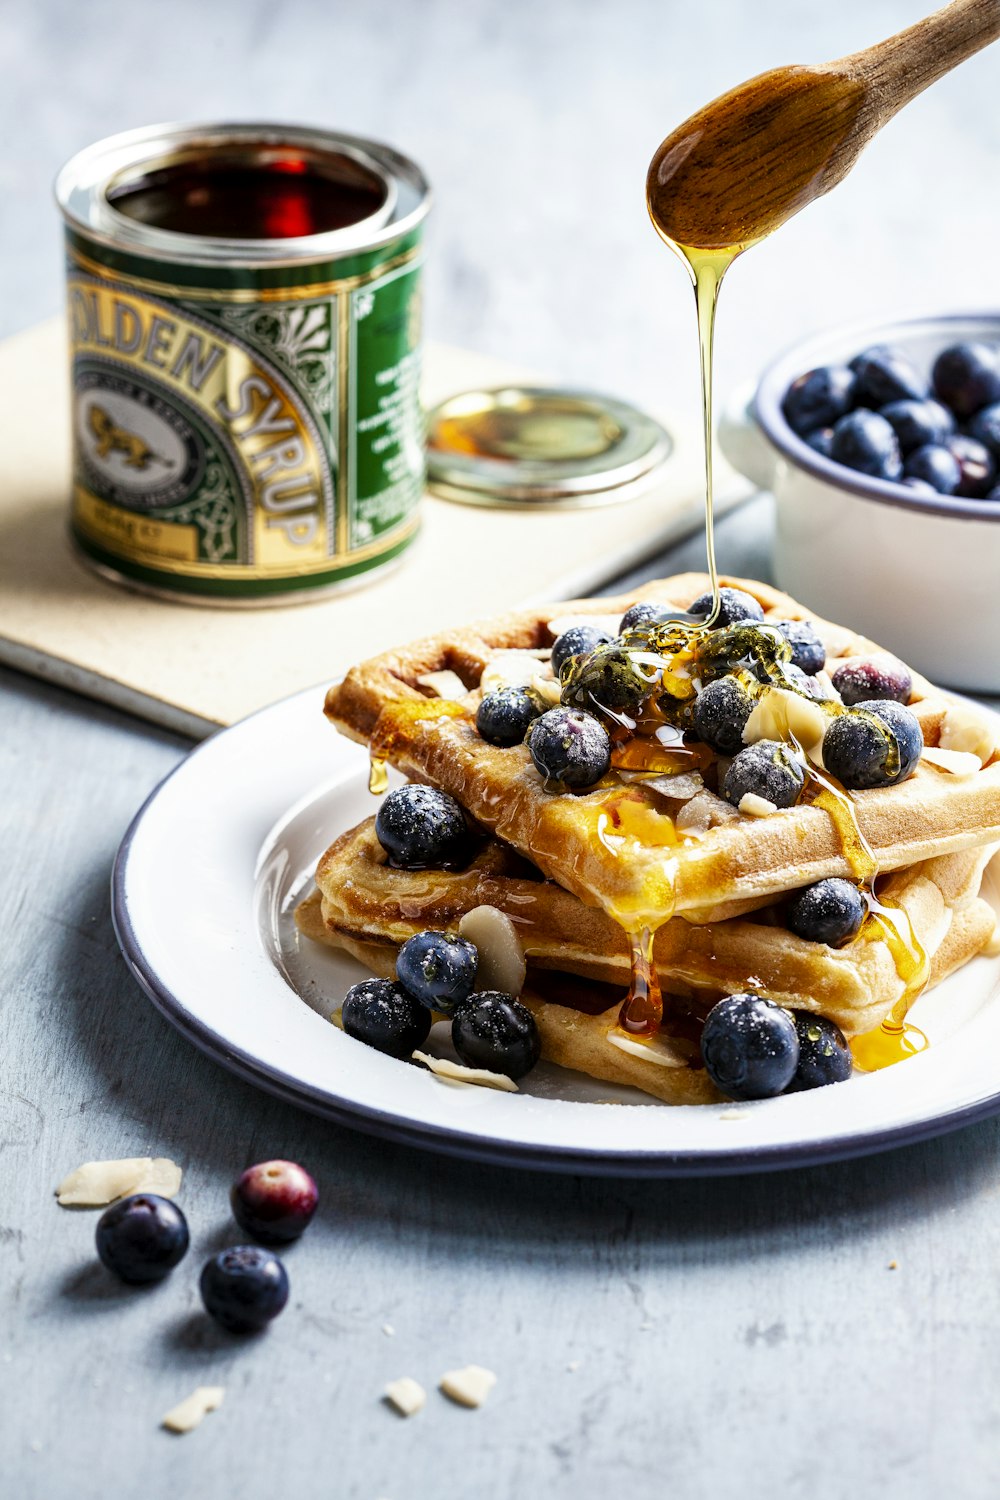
{"x": 743, "y": 1337}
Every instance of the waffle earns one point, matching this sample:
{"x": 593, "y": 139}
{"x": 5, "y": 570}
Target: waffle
{"x": 624, "y": 847}
{"x": 578, "y": 967}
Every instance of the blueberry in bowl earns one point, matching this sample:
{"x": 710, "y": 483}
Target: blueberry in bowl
{"x": 883, "y": 375}
{"x": 865, "y": 441}
{"x": 819, "y": 398}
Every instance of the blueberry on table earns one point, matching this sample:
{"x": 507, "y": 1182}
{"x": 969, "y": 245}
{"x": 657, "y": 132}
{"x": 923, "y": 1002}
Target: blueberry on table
{"x": 578, "y": 640}
{"x": 639, "y": 615}
{"x": 966, "y": 377}
{"x": 818, "y": 398}
{"x": 824, "y": 1056}
{"x": 876, "y": 744}
{"x": 244, "y": 1287}
{"x": 750, "y": 1047}
{"x": 934, "y": 465}
{"x": 384, "y": 1016}
{"x": 808, "y": 651}
{"x": 496, "y": 1032}
{"x": 864, "y": 441}
{"x": 610, "y": 678}
{"x": 882, "y": 676}
{"x": 767, "y": 769}
{"x": 917, "y": 423}
{"x": 274, "y": 1201}
{"x": 502, "y": 718}
{"x": 142, "y": 1238}
{"x": 734, "y": 606}
{"x": 883, "y": 375}
{"x": 437, "y": 969}
{"x": 820, "y": 440}
{"x": 421, "y": 828}
{"x": 720, "y": 713}
{"x": 570, "y": 746}
{"x": 976, "y": 464}
{"x": 831, "y": 912}
{"x": 985, "y": 428}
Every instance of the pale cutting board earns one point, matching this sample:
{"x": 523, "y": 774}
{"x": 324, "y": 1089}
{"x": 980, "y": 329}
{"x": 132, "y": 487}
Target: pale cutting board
{"x": 193, "y": 669}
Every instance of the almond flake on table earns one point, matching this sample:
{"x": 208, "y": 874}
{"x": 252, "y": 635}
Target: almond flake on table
{"x": 189, "y": 1413}
{"x": 98, "y": 1183}
{"x": 469, "y": 1386}
{"x": 406, "y": 1395}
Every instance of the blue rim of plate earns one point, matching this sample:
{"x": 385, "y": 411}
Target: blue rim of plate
{"x": 580, "y": 1161}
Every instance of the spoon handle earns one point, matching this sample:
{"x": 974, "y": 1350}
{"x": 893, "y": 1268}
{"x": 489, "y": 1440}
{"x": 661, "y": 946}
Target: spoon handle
{"x": 903, "y": 66}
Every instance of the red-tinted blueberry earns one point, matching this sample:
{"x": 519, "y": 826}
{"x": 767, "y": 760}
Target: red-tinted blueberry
{"x": 767, "y": 769}
{"x": 874, "y": 745}
{"x": 917, "y": 423}
{"x": 142, "y": 1238}
{"x": 966, "y": 378}
{"x": 882, "y": 676}
{"x": 578, "y": 640}
{"x": 864, "y": 441}
{"x": 385, "y": 1017}
{"x": 985, "y": 428}
{"x": 808, "y": 651}
{"x": 437, "y": 969}
{"x": 720, "y": 713}
{"x": 818, "y": 398}
{"x": 820, "y": 440}
{"x": 502, "y": 718}
{"x": 244, "y": 1287}
{"x": 570, "y": 746}
{"x": 750, "y": 1047}
{"x": 496, "y": 1032}
{"x": 883, "y": 375}
{"x": 824, "y": 1056}
{"x": 274, "y": 1201}
{"x": 977, "y": 466}
{"x": 421, "y": 828}
{"x": 734, "y": 606}
{"x": 830, "y": 911}
{"x": 936, "y": 466}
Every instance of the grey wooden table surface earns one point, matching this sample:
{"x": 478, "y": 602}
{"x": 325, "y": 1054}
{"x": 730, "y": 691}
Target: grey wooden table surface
{"x": 684, "y": 1339}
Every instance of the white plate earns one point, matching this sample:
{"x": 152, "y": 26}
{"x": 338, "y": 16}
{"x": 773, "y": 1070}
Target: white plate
{"x": 204, "y": 888}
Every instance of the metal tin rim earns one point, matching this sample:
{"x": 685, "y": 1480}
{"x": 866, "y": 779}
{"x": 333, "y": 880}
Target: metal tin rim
{"x": 81, "y": 185}
{"x": 644, "y": 447}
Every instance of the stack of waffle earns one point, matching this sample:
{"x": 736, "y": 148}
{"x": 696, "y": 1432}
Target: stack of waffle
{"x": 571, "y": 868}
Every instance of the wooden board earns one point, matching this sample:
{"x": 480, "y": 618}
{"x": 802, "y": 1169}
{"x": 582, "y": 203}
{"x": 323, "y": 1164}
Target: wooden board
{"x": 193, "y": 668}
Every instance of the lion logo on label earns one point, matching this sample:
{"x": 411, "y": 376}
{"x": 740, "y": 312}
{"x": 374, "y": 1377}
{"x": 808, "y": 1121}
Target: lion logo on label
{"x": 110, "y": 438}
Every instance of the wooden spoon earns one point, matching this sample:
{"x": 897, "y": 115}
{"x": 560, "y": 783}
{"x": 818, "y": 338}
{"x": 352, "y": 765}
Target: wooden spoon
{"x": 745, "y": 163}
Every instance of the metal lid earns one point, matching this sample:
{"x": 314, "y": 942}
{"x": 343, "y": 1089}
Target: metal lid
{"x": 539, "y": 445}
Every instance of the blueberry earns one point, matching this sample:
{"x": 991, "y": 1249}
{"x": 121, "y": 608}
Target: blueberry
{"x": 919, "y": 486}
{"x": 274, "y": 1201}
{"x": 244, "y": 1287}
{"x": 876, "y": 744}
{"x": 579, "y": 640}
{"x": 883, "y": 375}
{"x": 640, "y": 615}
{"x": 570, "y": 746}
{"x": 794, "y": 678}
{"x": 720, "y": 712}
{"x": 985, "y": 428}
{"x": 977, "y": 466}
{"x": 917, "y": 423}
{"x": 749, "y": 644}
{"x": 609, "y": 678}
{"x": 864, "y": 441}
{"x": 831, "y": 911}
{"x": 966, "y": 378}
{"x": 496, "y": 1032}
{"x": 438, "y": 970}
{"x": 502, "y": 718}
{"x": 421, "y": 828}
{"x": 820, "y": 440}
{"x": 808, "y": 651}
{"x": 818, "y": 398}
{"x": 142, "y": 1238}
{"x": 766, "y": 769}
{"x": 881, "y": 676}
{"x": 824, "y": 1056}
{"x": 382, "y": 1014}
{"x": 936, "y": 466}
{"x": 750, "y": 1047}
{"x": 734, "y": 606}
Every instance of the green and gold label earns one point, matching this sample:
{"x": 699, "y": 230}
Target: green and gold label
{"x": 237, "y": 441}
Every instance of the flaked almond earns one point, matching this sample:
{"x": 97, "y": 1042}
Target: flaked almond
{"x": 510, "y": 669}
{"x": 754, "y": 806}
{"x": 957, "y": 762}
{"x": 501, "y": 958}
{"x": 469, "y": 1386}
{"x": 455, "y": 1072}
{"x": 98, "y": 1183}
{"x": 780, "y": 714}
{"x": 406, "y": 1395}
{"x": 964, "y": 728}
{"x": 656, "y": 1051}
{"x": 191, "y": 1412}
{"x": 444, "y": 684}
